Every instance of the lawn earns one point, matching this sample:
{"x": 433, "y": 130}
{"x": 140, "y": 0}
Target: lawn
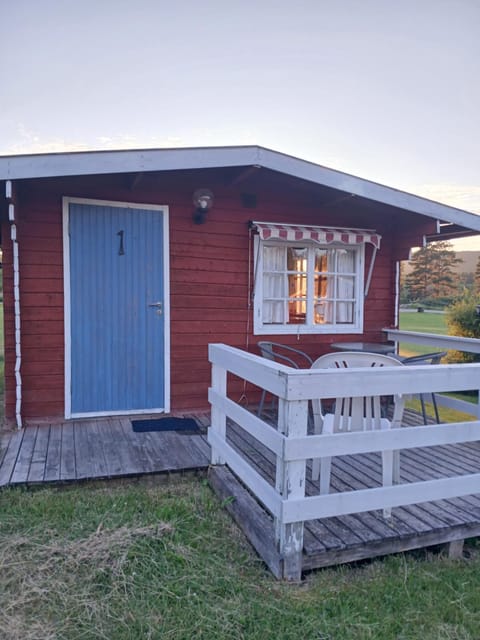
{"x": 424, "y": 323}
{"x": 164, "y": 561}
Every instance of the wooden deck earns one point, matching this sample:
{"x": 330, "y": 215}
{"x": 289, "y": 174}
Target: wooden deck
{"x": 84, "y": 450}
{"x": 349, "y": 538}
{"x": 107, "y": 448}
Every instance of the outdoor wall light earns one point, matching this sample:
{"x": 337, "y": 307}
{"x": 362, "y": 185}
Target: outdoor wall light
{"x": 203, "y": 201}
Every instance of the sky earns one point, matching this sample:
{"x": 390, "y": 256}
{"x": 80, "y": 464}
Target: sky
{"x": 387, "y": 90}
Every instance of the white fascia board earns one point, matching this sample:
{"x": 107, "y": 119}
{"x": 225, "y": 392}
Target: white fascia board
{"x": 103, "y": 162}
{"x": 144, "y": 160}
{"x": 366, "y": 189}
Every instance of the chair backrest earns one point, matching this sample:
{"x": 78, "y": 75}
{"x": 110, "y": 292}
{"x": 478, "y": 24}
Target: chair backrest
{"x": 426, "y": 358}
{"x": 359, "y": 413}
{"x": 284, "y": 354}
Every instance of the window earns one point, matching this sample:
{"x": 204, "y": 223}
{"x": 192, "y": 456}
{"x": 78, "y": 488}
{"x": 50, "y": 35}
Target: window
{"x": 307, "y": 287}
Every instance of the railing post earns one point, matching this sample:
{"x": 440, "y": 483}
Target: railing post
{"x": 290, "y": 483}
{"x": 218, "y": 419}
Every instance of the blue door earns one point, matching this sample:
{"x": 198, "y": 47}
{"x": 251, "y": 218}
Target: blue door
{"x": 117, "y": 309}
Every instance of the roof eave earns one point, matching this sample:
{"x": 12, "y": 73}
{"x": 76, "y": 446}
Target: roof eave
{"x": 146, "y": 160}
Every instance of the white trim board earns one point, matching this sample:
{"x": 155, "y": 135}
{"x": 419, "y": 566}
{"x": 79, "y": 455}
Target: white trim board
{"x": 145, "y": 160}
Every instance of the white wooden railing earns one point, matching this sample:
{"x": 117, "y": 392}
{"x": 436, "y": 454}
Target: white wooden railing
{"x": 455, "y": 343}
{"x": 287, "y": 501}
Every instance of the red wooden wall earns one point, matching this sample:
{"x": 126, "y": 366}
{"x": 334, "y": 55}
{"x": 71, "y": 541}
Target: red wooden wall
{"x": 208, "y": 269}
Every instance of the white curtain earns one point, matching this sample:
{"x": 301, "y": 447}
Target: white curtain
{"x": 345, "y": 285}
{"x": 274, "y": 285}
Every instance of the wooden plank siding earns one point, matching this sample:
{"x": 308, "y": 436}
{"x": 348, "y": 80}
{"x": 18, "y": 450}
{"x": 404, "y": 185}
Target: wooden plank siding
{"x": 209, "y": 277}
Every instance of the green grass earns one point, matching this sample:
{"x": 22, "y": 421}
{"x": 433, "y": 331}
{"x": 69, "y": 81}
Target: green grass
{"x": 445, "y": 414}
{"x": 424, "y": 323}
{"x": 166, "y": 562}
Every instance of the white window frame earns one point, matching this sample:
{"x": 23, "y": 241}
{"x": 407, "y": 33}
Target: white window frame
{"x": 261, "y": 328}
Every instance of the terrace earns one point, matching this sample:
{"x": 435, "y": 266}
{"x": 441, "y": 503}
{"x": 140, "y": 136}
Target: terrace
{"x": 266, "y": 467}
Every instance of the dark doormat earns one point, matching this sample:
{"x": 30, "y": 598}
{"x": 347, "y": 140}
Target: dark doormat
{"x": 185, "y": 425}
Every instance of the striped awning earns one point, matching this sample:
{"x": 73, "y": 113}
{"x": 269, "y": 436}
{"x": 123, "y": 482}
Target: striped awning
{"x": 321, "y": 235}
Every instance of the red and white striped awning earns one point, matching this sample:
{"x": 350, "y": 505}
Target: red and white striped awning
{"x": 321, "y": 235}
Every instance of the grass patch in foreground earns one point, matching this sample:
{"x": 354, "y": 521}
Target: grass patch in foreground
{"x": 166, "y": 562}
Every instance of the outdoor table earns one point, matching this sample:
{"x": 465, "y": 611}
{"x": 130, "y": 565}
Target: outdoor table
{"x": 370, "y": 347}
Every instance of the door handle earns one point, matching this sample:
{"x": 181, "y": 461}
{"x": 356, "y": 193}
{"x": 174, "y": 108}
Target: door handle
{"x": 158, "y": 306}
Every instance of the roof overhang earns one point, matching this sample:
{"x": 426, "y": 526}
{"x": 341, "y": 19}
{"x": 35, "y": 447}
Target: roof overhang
{"x": 150, "y": 160}
{"x": 449, "y": 231}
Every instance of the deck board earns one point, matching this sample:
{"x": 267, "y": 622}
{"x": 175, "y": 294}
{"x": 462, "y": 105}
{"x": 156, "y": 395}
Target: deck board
{"x": 113, "y": 453}
{"x": 24, "y": 458}
{"x": 10, "y": 456}
{"x": 68, "y": 464}
{"x": 4, "y": 441}
{"x": 53, "y": 460}
{"x": 39, "y": 456}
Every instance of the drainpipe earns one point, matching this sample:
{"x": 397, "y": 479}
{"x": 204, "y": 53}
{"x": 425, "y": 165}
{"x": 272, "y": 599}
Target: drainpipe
{"x": 397, "y": 293}
{"x": 16, "y": 301}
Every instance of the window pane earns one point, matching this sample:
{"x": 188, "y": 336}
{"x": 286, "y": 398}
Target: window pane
{"x": 345, "y": 261}
{"x": 274, "y": 296}
{"x": 273, "y": 312}
{"x": 274, "y": 286}
{"x": 297, "y": 286}
{"x": 323, "y": 312}
{"x": 297, "y": 306}
{"x": 323, "y": 286}
{"x": 345, "y": 313}
{"x": 297, "y": 311}
{"x": 345, "y": 287}
{"x": 324, "y": 260}
{"x": 296, "y": 259}
{"x": 273, "y": 258}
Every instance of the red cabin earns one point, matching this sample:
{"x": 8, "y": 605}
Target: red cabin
{"x": 119, "y": 268}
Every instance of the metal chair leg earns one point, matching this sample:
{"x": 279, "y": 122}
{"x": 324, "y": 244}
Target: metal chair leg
{"x": 424, "y": 411}
{"x": 435, "y": 408}
{"x": 262, "y": 402}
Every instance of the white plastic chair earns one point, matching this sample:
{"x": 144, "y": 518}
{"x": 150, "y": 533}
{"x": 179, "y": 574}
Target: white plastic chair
{"x": 363, "y": 413}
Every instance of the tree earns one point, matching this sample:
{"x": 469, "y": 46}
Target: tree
{"x": 462, "y": 320}
{"x": 433, "y": 276}
{"x": 476, "y": 277}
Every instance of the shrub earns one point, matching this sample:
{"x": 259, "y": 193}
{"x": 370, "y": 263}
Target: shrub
{"x": 462, "y": 320}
